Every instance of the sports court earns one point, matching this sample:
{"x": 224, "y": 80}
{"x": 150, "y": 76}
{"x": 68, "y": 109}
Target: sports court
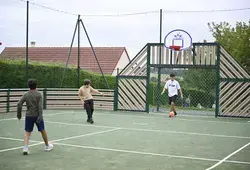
{"x": 128, "y": 140}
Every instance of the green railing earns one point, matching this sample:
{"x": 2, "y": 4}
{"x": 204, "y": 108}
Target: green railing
{"x": 55, "y": 99}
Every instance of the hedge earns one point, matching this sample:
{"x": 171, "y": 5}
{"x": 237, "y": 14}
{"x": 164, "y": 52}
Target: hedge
{"x": 49, "y": 75}
{"x": 196, "y": 96}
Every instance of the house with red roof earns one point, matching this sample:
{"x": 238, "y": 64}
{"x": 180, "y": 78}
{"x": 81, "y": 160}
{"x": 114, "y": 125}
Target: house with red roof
{"x": 110, "y": 58}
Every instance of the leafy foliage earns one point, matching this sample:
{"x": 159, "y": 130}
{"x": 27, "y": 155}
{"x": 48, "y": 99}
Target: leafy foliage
{"x": 200, "y": 79}
{"x": 236, "y": 40}
{"x": 49, "y": 75}
{"x": 196, "y": 96}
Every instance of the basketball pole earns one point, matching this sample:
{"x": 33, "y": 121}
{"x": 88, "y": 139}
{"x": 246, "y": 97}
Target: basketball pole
{"x": 27, "y": 42}
{"x": 159, "y": 69}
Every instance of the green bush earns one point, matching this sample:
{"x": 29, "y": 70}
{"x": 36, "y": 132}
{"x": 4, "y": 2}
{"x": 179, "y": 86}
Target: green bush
{"x": 206, "y": 99}
{"x": 49, "y": 75}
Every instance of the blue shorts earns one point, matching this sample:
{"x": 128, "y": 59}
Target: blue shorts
{"x": 29, "y": 124}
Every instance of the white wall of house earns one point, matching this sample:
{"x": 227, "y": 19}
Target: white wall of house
{"x": 121, "y": 63}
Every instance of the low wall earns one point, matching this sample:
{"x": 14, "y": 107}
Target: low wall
{"x": 55, "y": 99}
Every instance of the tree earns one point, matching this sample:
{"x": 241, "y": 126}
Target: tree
{"x": 236, "y": 40}
{"x": 200, "y": 79}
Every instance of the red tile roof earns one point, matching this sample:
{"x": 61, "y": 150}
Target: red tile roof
{"x": 108, "y": 56}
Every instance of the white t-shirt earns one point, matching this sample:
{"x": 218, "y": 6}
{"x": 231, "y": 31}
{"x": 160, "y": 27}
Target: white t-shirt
{"x": 173, "y": 87}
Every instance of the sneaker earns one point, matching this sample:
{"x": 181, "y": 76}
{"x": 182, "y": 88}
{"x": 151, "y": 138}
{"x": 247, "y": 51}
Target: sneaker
{"x": 175, "y": 113}
{"x": 90, "y": 121}
{"x": 26, "y": 151}
{"x": 49, "y": 147}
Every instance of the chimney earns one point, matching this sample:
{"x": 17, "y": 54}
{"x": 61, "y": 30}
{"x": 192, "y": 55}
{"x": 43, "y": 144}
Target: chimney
{"x": 32, "y": 43}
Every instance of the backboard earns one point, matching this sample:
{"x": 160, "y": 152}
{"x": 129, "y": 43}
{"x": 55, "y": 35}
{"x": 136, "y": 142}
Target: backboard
{"x": 178, "y": 39}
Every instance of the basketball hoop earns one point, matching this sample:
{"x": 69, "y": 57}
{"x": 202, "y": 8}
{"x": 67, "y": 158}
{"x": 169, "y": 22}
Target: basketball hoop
{"x": 178, "y": 40}
{"x": 175, "y": 47}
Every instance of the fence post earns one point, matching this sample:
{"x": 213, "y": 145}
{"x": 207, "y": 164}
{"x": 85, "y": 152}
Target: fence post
{"x": 116, "y": 94}
{"x": 148, "y": 79}
{"x": 117, "y": 71}
{"x": 45, "y": 98}
{"x": 8, "y": 101}
{"x": 217, "y": 110}
{"x": 115, "y": 108}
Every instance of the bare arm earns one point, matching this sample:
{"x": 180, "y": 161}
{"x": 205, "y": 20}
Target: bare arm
{"x": 163, "y": 90}
{"x": 179, "y": 87}
{"x": 95, "y": 91}
{"x": 80, "y": 94}
{"x": 181, "y": 92}
{"x": 19, "y": 106}
{"x": 40, "y": 106}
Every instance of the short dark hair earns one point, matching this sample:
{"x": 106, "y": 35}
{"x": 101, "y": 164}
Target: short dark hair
{"x": 172, "y": 75}
{"x": 86, "y": 82}
{"x": 32, "y": 83}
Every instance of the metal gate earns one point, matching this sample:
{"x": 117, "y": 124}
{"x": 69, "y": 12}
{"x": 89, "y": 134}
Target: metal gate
{"x": 232, "y": 93}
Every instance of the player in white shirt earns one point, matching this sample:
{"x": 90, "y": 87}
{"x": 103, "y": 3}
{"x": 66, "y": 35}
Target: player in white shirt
{"x": 173, "y": 86}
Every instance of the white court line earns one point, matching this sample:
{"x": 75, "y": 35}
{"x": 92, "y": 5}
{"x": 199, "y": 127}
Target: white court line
{"x": 224, "y": 159}
{"x": 88, "y": 134}
{"x": 140, "y": 123}
{"x": 20, "y": 147}
{"x": 73, "y": 137}
{"x": 54, "y": 114}
{"x": 149, "y": 153}
{"x": 157, "y": 117}
{"x": 62, "y": 139}
{"x": 45, "y": 115}
{"x": 21, "y": 140}
{"x": 58, "y": 140}
{"x": 152, "y": 130}
{"x": 177, "y": 118}
{"x": 148, "y": 117}
{"x": 212, "y": 121}
{"x": 137, "y": 152}
{"x": 8, "y": 119}
{"x": 185, "y": 115}
{"x": 128, "y": 151}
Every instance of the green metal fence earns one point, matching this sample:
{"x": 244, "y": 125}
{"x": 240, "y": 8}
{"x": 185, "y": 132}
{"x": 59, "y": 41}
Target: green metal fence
{"x": 211, "y": 80}
{"x": 198, "y": 87}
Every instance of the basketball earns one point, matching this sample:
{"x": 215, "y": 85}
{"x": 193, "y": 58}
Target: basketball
{"x": 171, "y": 114}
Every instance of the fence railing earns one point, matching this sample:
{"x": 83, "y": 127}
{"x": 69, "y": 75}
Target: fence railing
{"x": 55, "y": 99}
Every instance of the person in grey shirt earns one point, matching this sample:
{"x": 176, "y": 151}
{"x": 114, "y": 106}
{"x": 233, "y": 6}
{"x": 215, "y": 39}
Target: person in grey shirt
{"x": 34, "y": 115}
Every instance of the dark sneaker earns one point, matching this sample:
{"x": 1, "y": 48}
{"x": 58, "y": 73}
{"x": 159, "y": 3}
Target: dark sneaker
{"x": 175, "y": 113}
{"x": 90, "y": 121}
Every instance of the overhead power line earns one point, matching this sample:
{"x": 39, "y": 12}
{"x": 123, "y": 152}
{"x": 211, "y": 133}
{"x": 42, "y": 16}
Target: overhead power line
{"x": 49, "y": 8}
{"x": 138, "y": 13}
{"x": 209, "y": 11}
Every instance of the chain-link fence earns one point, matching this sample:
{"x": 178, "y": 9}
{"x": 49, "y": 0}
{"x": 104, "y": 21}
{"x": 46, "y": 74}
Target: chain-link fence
{"x": 198, "y": 87}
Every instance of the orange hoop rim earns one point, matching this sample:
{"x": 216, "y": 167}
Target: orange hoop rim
{"x": 175, "y": 47}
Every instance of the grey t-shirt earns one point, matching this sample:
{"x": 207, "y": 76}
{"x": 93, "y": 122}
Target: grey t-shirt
{"x": 33, "y": 100}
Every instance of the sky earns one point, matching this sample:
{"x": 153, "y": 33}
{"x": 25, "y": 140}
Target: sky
{"x": 51, "y": 28}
